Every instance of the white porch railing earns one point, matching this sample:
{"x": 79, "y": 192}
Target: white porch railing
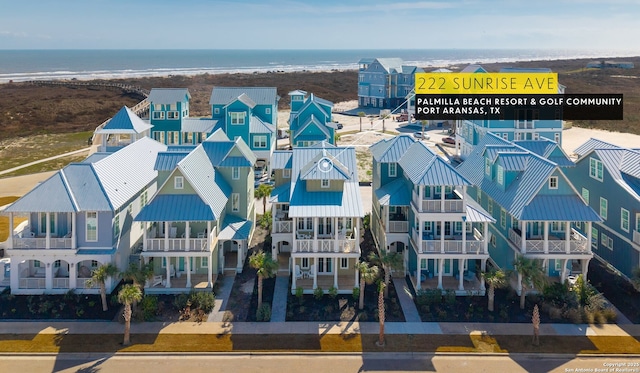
{"x": 81, "y": 283}
{"x": 473, "y": 245}
{"x": 41, "y": 243}
{"x": 180, "y": 244}
{"x": 434, "y": 205}
{"x": 61, "y": 282}
{"x": 525, "y": 124}
{"x": 398, "y": 226}
{"x": 32, "y": 283}
{"x": 325, "y": 246}
{"x": 577, "y": 243}
{"x": 636, "y": 237}
{"x": 285, "y": 226}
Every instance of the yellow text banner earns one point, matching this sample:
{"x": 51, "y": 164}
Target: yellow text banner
{"x": 486, "y": 83}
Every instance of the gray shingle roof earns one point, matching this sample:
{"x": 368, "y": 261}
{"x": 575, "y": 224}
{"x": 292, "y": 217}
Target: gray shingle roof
{"x": 168, "y": 96}
{"x": 259, "y": 95}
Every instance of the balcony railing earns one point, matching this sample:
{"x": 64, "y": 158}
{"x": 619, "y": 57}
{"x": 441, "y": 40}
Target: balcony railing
{"x": 41, "y": 243}
{"x": 435, "y": 205}
{"x": 577, "y": 243}
{"x": 180, "y": 244}
{"x": 326, "y": 246}
{"x": 285, "y": 226}
{"x": 398, "y": 226}
{"x": 636, "y": 237}
{"x": 61, "y": 282}
{"x": 525, "y": 124}
{"x": 32, "y": 283}
{"x": 472, "y": 245}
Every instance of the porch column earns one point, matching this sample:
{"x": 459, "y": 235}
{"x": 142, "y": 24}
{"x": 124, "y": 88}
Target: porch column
{"x": 48, "y": 280}
{"x": 440, "y": 269}
{"x": 419, "y": 238}
{"x": 145, "y": 226}
{"x": 188, "y": 268}
{"x": 523, "y": 241}
{"x": 315, "y": 272}
{"x": 464, "y": 236}
{"x": 563, "y": 275}
{"x": 589, "y": 238}
{"x": 483, "y": 268}
{"x": 187, "y": 246}
{"x": 442, "y": 209}
{"x": 74, "y": 238}
{"x": 545, "y": 243}
{"x": 315, "y": 237}
{"x": 567, "y": 237}
{"x": 386, "y": 218}
{"x": 166, "y": 236}
{"x": 355, "y": 285}
{"x": 442, "y": 236}
{"x": 335, "y": 273}
{"x": 464, "y": 198}
{"x": 73, "y": 276}
{"x": 519, "y": 284}
{"x": 167, "y": 283}
{"x": 14, "y": 275}
{"x": 293, "y": 276}
{"x": 240, "y": 257}
{"x": 461, "y": 271}
{"x": 10, "y": 241}
{"x": 336, "y": 248}
{"x": 210, "y": 272}
{"x": 294, "y": 231}
{"x": 485, "y": 234}
{"x": 585, "y": 268}
{"x": 48, "y": 234}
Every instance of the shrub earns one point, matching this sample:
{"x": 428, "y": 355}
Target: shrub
{"x": 148, "y": 306}
{"x": 355, "y": 294}
{"x": 429, "y": 297}
{"x": 180, "y": 301}
{"x": 202, "y": 300}
{"x": 301, "y": 309}
{"x": 610, "y": 314}
{"x": 362, "y": 316}
{"x": 573, "y": 315}
{"x": 450, "y": 297}
{"x": 554, "y": 312}
{"x": 590, "y": 316}
{"x": 442, "y": 315}
{"x": 328, "y": 309}
{"x": 299, "y": 294}
{"x": 318, "y": 293}
{"x": 333, "y": 292}
{"x": 600, "y": 318}
{"x": 264, "y": 312}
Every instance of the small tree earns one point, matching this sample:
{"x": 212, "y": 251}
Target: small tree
{"x": 388, "y": 261}
{"x": 266, "y": 268}
{"x": 532, "y": 275}
{"x": 263, "y": 191}
{"x": 128, "y": 295}
{"x": 535, "y": 319}
{"x": 384, "y": 117}
{"x": 381, "y": 314}
{"x": 495, "y": 279}
{"x": 367, "y": 276}
{"x": 138, "y": 276}
{"x": 98, "y": 277}
{"x": 361, "y": 114}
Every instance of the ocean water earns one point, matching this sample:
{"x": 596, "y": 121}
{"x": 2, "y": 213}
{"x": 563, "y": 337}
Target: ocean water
{"x": 23, "y": 65}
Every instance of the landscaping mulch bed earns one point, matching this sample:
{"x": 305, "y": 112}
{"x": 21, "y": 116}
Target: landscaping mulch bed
{"x": 616, "y": 289}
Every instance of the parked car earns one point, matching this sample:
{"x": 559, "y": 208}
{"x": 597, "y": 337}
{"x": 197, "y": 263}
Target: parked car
{"x": 449, "y": 140}
{"x": 339, "y": 125}
{"x": 259, "y": 169}
{"x": 421, "y": 135}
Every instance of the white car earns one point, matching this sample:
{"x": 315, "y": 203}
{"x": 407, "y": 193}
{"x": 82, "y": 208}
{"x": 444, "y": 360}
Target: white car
{"x": 421, "y": 135}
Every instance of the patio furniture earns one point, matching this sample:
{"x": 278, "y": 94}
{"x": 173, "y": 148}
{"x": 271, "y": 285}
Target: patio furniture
{"x": 172, "y": 271}
{"x": 157, "y": 280}
{"x": 311, "y": 272}
{"x": 469, "y": 276}
{"x": 298, "y": 272}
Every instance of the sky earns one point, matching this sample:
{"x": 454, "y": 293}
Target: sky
{"x": 319, "y": 24}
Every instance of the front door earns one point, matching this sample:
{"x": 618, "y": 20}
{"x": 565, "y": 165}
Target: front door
{"x": 447, "y": 268}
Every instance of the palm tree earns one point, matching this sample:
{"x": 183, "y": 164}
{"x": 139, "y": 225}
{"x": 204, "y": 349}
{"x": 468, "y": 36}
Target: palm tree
{"x": 381, "y": 316}
{"x": 383, "y": 117}
{"x": 495, "y": 278}
{"x": 388, "y": 261}
{"x": 98, "y": 277}
{"x": 532, "y": 276}
{"x": 361, "y": 114}
{"x": 266, "y": 268}
{"x": 128, "y": 294}
{"x": 138, "y": 275}
{"x": 367, "y": 276}
{"x": 263, "y": 191}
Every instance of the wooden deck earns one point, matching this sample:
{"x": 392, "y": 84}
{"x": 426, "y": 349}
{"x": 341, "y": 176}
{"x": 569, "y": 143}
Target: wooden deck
{"x": 345, "y": 284}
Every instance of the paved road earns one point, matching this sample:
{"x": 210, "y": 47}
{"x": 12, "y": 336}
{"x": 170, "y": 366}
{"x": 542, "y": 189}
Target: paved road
{"x": 278, "y": 363}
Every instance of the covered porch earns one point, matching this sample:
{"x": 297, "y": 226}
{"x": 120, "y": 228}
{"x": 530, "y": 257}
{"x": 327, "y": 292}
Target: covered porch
{"x": 311, "y": 272}
{"x": 180, "y": 274}
{"x": 460, "y": 274}
{"x": 54, "y": 276}
{"x": 430, "y": 198}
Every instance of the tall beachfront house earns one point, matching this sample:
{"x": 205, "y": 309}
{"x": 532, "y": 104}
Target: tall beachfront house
{"x": 169, "y": 115}
{"x": 384, "y": 83}
{"x": 608, "y": 177}
{"x": 524, "y": 187}
{"x": 250, "y": 113}
{"x": 422, "y": 211}
{"x": 200, "y": 221}
{"x": 526, "y": 126}
{"x": 310, "y": 120}
{"x": 81, "y": 218}
{"x": 317, "y": 211}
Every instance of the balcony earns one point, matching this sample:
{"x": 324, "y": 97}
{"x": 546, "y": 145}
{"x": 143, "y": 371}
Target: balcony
{"x": 474, "y": 244}
{"x": 449, "y": 204}
{"x": 41, "y": 243}
{"x": 398, "y": 226}
{"x": 326, "y": 246}
{"x": 555, "y": 245}
{"x": 201, "y": 244}
{"x": 636, "y": 237}
{"x": 525, "y": 125}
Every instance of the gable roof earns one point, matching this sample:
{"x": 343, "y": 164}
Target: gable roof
{"x": 473, "y": 68}
{"x": 391, "y": 150}
{"x": 125, "y": 121}
{"x": 394, "y": 193}
{"x": 258, "y": 95}
{"x": 257, "y": 125}
{"x": 423, "y": 167}
{"x": 548, "y": 149}
{"x": 200, "y": 125}
{"x": 312, "y": 120}
{"x": 281, "y": 159}
{"x": 168, "y": 95}
{"x": 592, "y": 144}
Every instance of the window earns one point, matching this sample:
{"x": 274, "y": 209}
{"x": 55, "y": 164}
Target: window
{"x": 479, "y": 195}
{"x": 43, "y": 223}
{"x": 305, "y": 263}
{"x": 393, "y": 169}
{"x": 458, "y": 226}
{"x": 286, "y": 173}
{"x": 36, "y": 263}
{"x": 503, "y": 218}
{"x": 143, "y": 199}
{"x": 624, "y": 220}
{"x": 500, "y": 175}
{"x": 187, "y": 138}
{"x": 324, "y": 183}
{"x": 116, "y": 226}
{"x": 235, "y": 173}
{"x": 638, "y": 221}
{"x": 173, "y": 138}
{"x": 423, "y": 263}
{"x": 585, "y": 195}
{"x": 204, "y": 262}
{"x": 325, "y": 265}
{"x": 594, "y": 237}
{"x": 92, "y": 226}
{"x": 515, "y": 223}
{"x": 267, "y": 110}
{"x": 505, "y": 136}
{"x": 159, "y": 137}
{"x": 260, "y": 141}
{"x": 603, "y": 208}
{"x": 344, "y": 263}
{"x": 216, "y": 110}
{"x": 173, "y": 115}
{"x": 237, "y": 118}
{"x": 556, "y": 137}
{"x": 606, "y": 241}
{"x": 427, "y": 226}
{"x": 595, "y": 169}
{"x": 158, "y": 115}
{"x": 490, "y": 206}
{"x": 493, "y": 240}
{"x": 235, "y": 202}
{"x": 164, "y": 262}
{"x": 487, "y": 167}
{"x": 553, "y": 182}
{"x": 556, "y": 226}
{"x": 57, "y": 264}
{"x": 94, "y": 264}
{"x": 178, "y": 182}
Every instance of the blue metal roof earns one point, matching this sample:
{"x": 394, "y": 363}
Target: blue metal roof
{"x": 259, "y": 95}
{"x": 235, "y": 162}
{"x": 125, "y": 121}
{"x": 391, "y": 150}
{"x": 86, "y": 188}
{"x": 176, "y": 207}
{"x": 180, "y": 148}
{"x": 558, "y": 208}
{"x": 623, "y": 165}
{"x": 49, "y": 196}
{"x": 235, "y": 228}
{"x": 281, "y": 159}
{"x": 423, "y": 167}
{"x": 475, "y": 212}
{"x": 168, "y": 95}
{"x": 200, "y": 125}
{"x": 95, "y": 157}
{"x": 256, "y": 125}
{"x": 217, "y": 151}
{"x": 492, "y": 151}
{"x": 547, "y": 149}
{"x": 394, "y": 193}
{"x": 167, "y": 161}
{"x": 281, "y": 194}
{"x": 512, "y": 161}
{"x": 592, "y": 144}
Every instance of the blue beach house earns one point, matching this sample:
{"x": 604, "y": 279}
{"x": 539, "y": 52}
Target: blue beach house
{"x": 310, "y": 120}
{"x": 384, "y": 83}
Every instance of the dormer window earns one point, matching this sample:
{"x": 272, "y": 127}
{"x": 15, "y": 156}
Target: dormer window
{"x": 553, "y": 182}
{"x": 500, "y": 175}
{"x": 178, "y": 182}
{"x": 237, "y": 118}
{"x": 393, "y": 169}
{"x": 324, "y": 183}
{"x": 487, "y": 167}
